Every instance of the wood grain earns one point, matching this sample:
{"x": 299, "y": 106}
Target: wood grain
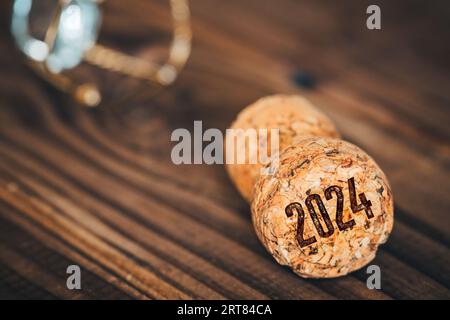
{"x": 97, "y": 188}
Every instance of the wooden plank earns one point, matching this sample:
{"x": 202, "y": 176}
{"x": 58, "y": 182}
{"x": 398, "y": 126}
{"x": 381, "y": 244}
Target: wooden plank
{"x": 98, "y": 188}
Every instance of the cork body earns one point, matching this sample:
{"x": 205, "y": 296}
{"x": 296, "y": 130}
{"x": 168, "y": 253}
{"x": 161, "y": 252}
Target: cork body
{"x": 295, "y": 118}
{"x": 344, "y": 236}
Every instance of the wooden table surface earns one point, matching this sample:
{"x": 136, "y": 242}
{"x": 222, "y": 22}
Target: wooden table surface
{"x": 97, "y": 188}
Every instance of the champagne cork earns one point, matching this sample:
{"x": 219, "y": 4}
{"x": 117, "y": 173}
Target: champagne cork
{"x": 327, "y": 205}
{"x": 327, "y": 173}
{"x": 295, "y": 117}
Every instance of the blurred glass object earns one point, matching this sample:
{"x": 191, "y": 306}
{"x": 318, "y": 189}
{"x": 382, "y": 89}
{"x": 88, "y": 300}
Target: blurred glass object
{"x": 76, "y": 32}
{"x": 71, "y": 37}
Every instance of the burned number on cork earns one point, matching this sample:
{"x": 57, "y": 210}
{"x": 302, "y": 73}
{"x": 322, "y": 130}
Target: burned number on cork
{"x": 330, "y": 193}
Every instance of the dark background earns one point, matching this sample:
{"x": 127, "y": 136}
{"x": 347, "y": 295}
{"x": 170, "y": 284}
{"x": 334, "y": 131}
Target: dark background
{"x": 97, "y": 188}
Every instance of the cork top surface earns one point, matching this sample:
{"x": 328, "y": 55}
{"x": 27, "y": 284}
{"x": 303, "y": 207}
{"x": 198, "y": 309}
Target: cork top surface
{"x": 306, "y": 170}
